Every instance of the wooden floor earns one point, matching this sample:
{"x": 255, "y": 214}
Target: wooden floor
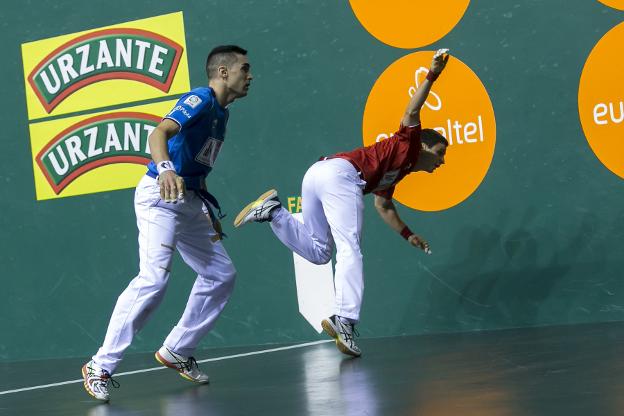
{"x": 574, "y": 370}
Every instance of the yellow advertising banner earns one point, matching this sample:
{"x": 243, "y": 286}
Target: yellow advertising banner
{"x": 112, "y": 65}
{"x": 92, "y": 153}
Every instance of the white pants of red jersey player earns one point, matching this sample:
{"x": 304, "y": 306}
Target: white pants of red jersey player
{"x": 164, "y": 227}
{"x": 332, "y": 208}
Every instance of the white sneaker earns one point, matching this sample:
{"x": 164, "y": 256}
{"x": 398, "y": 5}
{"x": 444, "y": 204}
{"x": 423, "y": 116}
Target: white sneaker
{"x": 96, "y": 381}
{"x": 258, "y": 210}
{"x": 186, "y": 366}
{"x": 343, "y": 334}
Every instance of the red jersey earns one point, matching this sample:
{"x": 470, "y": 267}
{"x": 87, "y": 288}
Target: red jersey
{"x": 383, "y": 164}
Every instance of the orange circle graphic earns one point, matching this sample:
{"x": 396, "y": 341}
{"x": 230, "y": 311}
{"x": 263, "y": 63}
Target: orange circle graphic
{"x": 616, "y": 4}
{"x": 601, "y": 100}
{"x": 458, "y": 107}
{"x": 409, "y": 23}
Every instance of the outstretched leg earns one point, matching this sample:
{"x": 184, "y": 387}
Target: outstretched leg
{"x": 312, "y": 239}
{"x": 145, "y": 292}
{"x": 213, "y": 286}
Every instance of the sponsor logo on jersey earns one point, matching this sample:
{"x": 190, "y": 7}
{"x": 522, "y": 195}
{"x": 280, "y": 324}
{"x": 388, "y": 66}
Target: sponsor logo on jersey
{"x": 132, "y": 54}
{"x": 193, "y": 101}
{"x": 94, "y": 142}
{"x": 180, "y": 109}
{"x": 209, "y": 152}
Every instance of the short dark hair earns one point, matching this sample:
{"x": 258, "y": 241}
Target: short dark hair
{"x": 431, "y": 137}
{"x": 224, "y": 55}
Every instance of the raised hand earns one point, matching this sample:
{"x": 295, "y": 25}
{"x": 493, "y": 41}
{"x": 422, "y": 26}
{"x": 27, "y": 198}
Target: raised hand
{"x": 440, "y": 58}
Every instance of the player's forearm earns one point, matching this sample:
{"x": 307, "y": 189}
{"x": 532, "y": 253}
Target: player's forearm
{"x": 418, "y": 99}
{"x": 158, "y": 145}
{"x": 412, "y": 112}
{"x": 390, "y": 216}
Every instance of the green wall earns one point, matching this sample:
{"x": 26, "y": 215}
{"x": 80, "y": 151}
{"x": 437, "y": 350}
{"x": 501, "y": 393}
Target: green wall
{"x": 539, "y": 243}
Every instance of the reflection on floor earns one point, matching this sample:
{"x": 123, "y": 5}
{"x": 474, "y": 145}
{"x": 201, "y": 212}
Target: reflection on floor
{"x": 574, "y": 370}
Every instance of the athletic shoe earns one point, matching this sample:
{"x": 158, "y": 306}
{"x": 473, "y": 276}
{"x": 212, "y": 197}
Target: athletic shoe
{"x": 186, "y": 366}
{"x": 343, "y": 334}
{"x": 96, "y": 381}
{"x": 259, "y": 210}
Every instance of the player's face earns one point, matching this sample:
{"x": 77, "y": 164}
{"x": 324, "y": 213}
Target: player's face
{"x": 239, "y": 76}
{"x": 432, "y": 157}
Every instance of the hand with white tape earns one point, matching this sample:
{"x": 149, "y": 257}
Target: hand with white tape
{"x": 440, "y": 58}
{"x": 419, "y": 242}
{"x": 172, "y": 187}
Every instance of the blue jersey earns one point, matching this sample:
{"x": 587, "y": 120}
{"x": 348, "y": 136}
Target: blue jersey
{"x": 194, "y": 149}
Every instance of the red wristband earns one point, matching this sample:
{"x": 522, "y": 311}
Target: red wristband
{"x": 431, "y": 76}
{"x": 406, "y": 232}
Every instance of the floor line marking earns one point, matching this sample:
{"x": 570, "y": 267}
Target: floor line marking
{"x": 145, "y": 370}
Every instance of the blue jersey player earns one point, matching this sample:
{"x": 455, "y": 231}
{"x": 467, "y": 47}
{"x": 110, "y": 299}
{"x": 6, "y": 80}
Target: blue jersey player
{"x": 171, "y": 203}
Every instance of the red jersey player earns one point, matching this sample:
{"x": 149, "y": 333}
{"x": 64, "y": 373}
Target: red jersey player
{"x": 332, "y": 204}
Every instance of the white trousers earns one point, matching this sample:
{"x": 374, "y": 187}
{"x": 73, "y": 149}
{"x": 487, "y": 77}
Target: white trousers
{"x": 163, "y": 228}
{"x": 332, "y": 207}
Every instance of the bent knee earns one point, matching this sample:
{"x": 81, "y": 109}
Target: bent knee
{"x": 322, "y": 258}
{"x": 225, "y": 276}
{"x": 154, "y": 281}
{"x": 230, "y": 277}
{"x": 350, "y": 253}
